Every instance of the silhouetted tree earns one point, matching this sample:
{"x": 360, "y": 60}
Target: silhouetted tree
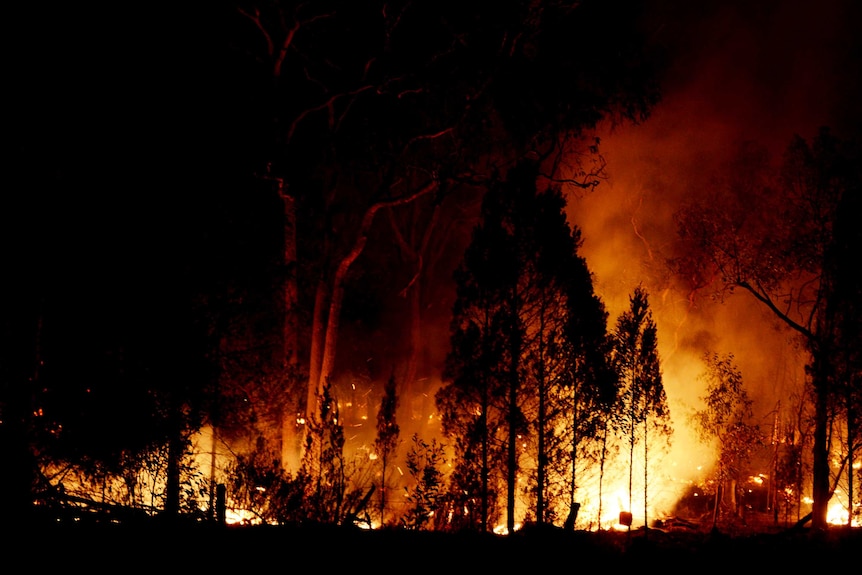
{"x": 566, "y": 369}
{"x": 590, "y": 378}
{"x": 471, "y": 403}
{"x": 387, "y": 440}
{"x": 324, "y": 463}
{"x": 424, "y": 461}
{"x": 642, "y": 399}
{"x": 351, "y": 109}
{"x": 259, "y": 490}
{"x": 771, "y": 232}
{"x": 527, "y": 344}
{"x": 845, "y": 314}
{"x": 726, "y": 420}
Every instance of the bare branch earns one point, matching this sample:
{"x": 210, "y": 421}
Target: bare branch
{"x": 328, "y": 105}
{"x": 763, "y": 298}
{"x": 255, "y": 18}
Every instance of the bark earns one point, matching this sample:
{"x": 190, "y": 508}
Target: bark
{"x": 413, "y": 291}
{"x": 324, "y": 341}
{"x": 290, "y": 437}
{"x": 820, "y": 491}
{"x": 318, "y": 333}
{"x": 646, "y": 467}
{"x": 542, "y": 456}
{"x": 512, "y": 447}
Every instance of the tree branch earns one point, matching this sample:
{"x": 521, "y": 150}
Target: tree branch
{"x": 768, "y": 303}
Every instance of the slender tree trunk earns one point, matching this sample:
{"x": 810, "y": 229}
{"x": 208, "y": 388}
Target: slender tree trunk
{"x": 512, "y": 447}
{"x": 646, "y": 467}
{"x": 383, "y": 490}
{"x": 290, "y": 436}
{"x": 512, "y": 459}
{"x": 542, "y": 457}
{"x": 851, "y": 432}
{"x": 318, "y": 341}
{"x": 413, "y": 293}
{"x": 631, "y": 460}
{"x": 718, "y": 488}
{"x": 172, "y": 486}
{"x": 574, "y": 483}
{"x": 485, "y": 471}
{"x": 820, "y": 469}
{"x": 486, "y": 402}
{"x": 602, "y": 458}
{"x": 211, "y": 512}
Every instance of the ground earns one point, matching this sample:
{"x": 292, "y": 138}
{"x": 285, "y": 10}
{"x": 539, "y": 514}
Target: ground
{"x": 221, "y": 549}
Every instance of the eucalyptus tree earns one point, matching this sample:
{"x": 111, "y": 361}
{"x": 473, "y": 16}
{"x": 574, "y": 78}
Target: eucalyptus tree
{"x": 526, "y": 365}
{"x": 642, "y": 399}
{"x": 591, "y": 379}
{"x": 569, "y": 381}
{"x": 845, "y": 314}
{"x": 472, "y": 399}
{"x": 351, "y": 109}
{"x": 386, "y": 443}
{"x": 769, "y": 229}
{"x": 726, "y": 419}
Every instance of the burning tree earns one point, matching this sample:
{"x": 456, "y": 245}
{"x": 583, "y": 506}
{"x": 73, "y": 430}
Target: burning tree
{"x": 726, "y": 419}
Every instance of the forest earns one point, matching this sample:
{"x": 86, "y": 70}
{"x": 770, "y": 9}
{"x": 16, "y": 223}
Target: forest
{"x": 334, "y": 263}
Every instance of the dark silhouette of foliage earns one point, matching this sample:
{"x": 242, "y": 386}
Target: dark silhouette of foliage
{"x": 528, "y": 350}
{"x": 771, "y": 232}
{"x": 258, "y": 485}
{"x": 424, "y": 497}
{"x": 726, "y": 419}
{"x": 387, "y": 440}
{"x": 642, "y": 399}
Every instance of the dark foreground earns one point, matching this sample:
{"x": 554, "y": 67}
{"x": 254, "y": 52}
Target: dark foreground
{"x": 160, "y": 549}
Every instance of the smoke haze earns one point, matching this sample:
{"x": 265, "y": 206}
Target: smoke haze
{"x": 740, "y": 71}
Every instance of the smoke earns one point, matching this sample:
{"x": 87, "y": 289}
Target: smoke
{"x": 739, "y": 71}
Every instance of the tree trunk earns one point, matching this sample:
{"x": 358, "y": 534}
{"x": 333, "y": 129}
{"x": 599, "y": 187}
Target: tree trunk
{"x": 631, "y": 461}
{"x": 290, "y": 437}
{"x": 542, "y": 457}
{"x": 327, "y": 351}
{"x": 383, "y": 489}
{"x": 512, "y": 447}
{"x": 413, "y": 293}
{"x": 646, "y": 460}
{"x": 512, "y": 459}
{"x": 574, "y": 483}
{"x": 851, "y": 432}
{"x": 318, "y": 342}
{"x": 602, "y": 458}
{"x": 820, "y": 469}
{"x": 172, "y": 485}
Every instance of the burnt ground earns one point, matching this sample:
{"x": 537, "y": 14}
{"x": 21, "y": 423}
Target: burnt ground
{"x": 198, "y": 548}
